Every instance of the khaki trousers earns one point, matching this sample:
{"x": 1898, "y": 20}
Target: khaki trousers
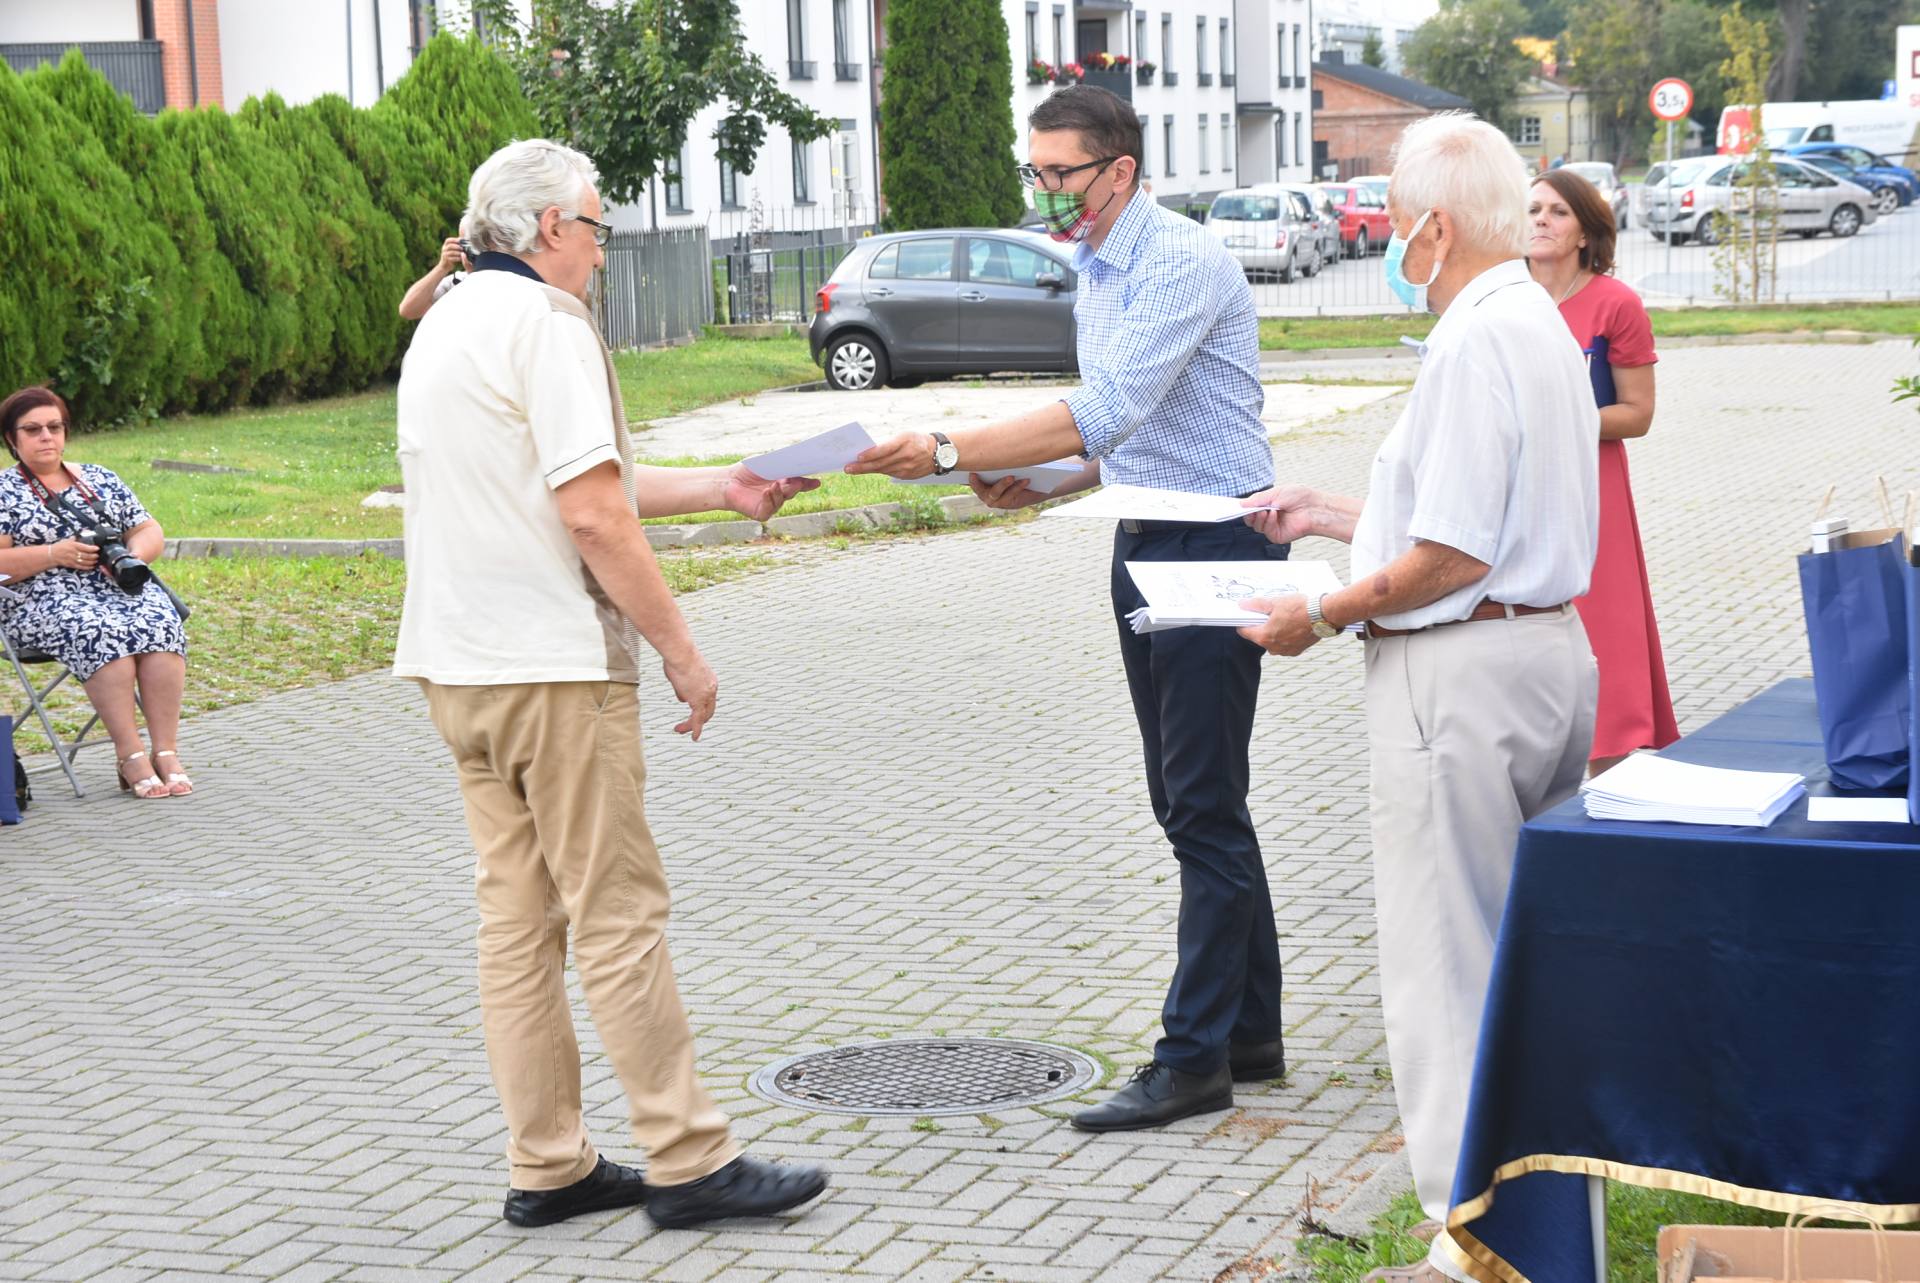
{"x": 552, "y": 777}
{"x": 1473, "y": 730}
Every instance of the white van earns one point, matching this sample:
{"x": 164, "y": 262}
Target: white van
{"x": 1888, "y": 128}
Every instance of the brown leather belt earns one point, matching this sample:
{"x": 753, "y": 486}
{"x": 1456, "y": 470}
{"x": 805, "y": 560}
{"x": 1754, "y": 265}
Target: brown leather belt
{"x": 1484, "y": 611}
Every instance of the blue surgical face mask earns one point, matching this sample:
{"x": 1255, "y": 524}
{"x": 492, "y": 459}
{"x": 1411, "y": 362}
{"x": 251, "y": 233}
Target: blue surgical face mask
{"x": 1414, "y": 296}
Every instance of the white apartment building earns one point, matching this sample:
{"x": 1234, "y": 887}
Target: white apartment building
{"x": 1227, "y": 101}
{"x": 1344, "y": 25}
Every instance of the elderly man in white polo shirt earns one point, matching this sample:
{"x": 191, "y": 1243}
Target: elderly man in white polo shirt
{"x": 529, "y": 585}
{"x": 1478, "y": 528}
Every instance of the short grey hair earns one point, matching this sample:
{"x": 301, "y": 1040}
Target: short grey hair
{"x": 1456, "y": 162}
{"x": 517, "y": 184}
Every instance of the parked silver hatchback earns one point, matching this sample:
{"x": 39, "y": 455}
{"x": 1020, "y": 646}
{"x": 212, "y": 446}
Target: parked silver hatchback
{"x": 1267, "y": 230}
{"x": 1696, "y": 205}
{"x": 1324, "y": 217}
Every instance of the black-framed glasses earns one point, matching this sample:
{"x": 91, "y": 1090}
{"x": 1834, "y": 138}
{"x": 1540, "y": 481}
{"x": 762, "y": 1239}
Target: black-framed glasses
{"x": 602, "y": 232}
{"x": 1053, "y": 178}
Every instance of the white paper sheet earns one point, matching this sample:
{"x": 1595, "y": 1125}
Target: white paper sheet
{"x": 828, "y": 452}
{"x": 1857, "y": 810}
{"x": 1043, "y": 477}
{"x": 1143, "y": 503}
{"x": 1183, "y": 594}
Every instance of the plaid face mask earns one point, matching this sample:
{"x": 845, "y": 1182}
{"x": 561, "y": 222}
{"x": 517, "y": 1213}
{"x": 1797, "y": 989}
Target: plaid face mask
{"x": 1066, "y": 215}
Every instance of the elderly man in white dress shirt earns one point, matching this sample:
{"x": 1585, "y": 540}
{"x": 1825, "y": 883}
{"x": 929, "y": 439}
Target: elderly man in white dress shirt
{"x": 1477, "y": 530}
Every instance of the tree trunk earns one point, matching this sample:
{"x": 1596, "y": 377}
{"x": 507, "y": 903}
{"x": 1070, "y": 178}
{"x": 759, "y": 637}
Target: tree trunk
{"x": 1784, "y": 83}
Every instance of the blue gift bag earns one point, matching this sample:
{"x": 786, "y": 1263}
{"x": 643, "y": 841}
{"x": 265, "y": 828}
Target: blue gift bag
{"x": 9, "y": 800}
{"x": 1911, "y": 574}
{"x": 1856, "y": 602}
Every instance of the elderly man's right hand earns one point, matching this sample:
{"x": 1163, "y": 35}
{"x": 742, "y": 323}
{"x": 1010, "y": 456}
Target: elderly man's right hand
{"x": 1286, "y": 512}
{"x": 696, "y": 686}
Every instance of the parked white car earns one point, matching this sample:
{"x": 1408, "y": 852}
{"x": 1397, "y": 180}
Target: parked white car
{"x": 1695, "y": 206}
{"x": 1268, "y": 229}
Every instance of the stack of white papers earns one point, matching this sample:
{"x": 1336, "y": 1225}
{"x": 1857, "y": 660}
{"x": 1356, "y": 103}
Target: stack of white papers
{"x": 1144, "y": 503}
{"x": 1182, "y": 594}
{"x": 1647, "y": 787}
{"x": 1043, "y": 477}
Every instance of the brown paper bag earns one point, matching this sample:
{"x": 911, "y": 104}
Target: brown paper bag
{"x": 1793, "y": 1254}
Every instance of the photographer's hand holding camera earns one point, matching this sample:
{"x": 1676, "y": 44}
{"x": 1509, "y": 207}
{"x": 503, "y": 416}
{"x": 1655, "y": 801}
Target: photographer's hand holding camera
{"x": 76, "y": 545}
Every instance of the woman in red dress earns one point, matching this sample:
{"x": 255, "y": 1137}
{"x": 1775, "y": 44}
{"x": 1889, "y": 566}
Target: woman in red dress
{"x": 1571, "y": 254}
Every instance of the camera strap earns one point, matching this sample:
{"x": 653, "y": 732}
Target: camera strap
{"x": 45, "y": 496}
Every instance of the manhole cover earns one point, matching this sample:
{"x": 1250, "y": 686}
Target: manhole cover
{"x": 922, "y": 1076}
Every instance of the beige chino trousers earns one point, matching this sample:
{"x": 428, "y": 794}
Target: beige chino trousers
{"x": 1473, "y": 729}
{"x": 553, "y": 781}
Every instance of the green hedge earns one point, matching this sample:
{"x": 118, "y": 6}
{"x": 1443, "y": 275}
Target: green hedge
{"x": 201, "y": 259}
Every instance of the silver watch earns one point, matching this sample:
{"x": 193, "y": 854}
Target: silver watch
{"x": 1321, "y": 628}
{"x": 945, "y": 454}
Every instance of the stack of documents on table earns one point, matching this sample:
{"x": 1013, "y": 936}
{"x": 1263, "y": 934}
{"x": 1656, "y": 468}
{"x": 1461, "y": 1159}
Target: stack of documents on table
{"x": 1647, "y": 787}
{"x": 1183, "y": 594}
{"x": 1144, "y": 503}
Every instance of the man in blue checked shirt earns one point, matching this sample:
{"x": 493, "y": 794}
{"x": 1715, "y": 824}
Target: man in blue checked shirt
{"x": 1170, "y": 397}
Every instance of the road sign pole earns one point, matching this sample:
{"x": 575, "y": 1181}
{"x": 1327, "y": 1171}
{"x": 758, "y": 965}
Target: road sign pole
{"x": 1669, "y": 180}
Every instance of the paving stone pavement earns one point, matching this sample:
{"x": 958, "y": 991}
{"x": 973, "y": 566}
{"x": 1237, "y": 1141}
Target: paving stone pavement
{"x": 238, "y": 1033}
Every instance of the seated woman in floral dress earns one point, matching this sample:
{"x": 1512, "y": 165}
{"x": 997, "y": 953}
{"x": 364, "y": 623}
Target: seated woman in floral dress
{"x": 69, "y": 607}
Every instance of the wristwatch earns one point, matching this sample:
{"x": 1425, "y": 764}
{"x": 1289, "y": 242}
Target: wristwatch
{"x": 1321, "y": 628}
{"x": 945, "y": 454}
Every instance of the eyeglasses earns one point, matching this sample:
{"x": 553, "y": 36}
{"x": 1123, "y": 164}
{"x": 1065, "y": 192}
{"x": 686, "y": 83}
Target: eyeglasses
{"x": 48, "y": 428}
{"x": 1053, "y": 178}
{"x": 602, "y": 232}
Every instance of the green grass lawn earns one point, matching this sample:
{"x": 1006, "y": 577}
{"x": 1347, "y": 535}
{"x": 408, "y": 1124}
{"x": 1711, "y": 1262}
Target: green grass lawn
{"x": 264, "y": 624}
{"x": 1309, "y": 333}
{"x": 1634, "y": 1218}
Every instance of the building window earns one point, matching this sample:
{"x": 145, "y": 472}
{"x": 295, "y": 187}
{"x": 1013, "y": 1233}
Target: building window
{"x": 1140, "y": 37}
{"x": 1145, "y": 172}
{"x": 1529, "y": 131}
{"x": 1226, "y": 143}
{"x": 802, "y": 180}
{"x": 1226, "y": 53}
{"x": 1280, "y": 141}
{"x": 675, "y": 179}
{"x": 1033, "y": 32}
{"x": 1204, "y": 154}
{"x": 1299, "y": 138}
{"x": 420, "y": 23}
{"x": 729, "y": 186}
{"x": 1200, "y": 73}
{"x": 797, "y": 65}
{"x": 844, "y": 66}
{"x": 1280, "y": 56}
{"x": 1299, "y": 76}
{"x": 1059, "y": 34}
{"x": 1166, "y": 146}
{"x": 1167, "y": 76}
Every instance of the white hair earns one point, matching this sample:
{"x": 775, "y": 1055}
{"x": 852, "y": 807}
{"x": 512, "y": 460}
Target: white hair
{"x": 1456, "y": 162}
{"x": 517, "y": 184}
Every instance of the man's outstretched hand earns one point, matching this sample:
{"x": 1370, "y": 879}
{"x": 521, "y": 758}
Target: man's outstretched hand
{"x": 756, "y": 497}
{"x": 907, "y": 456}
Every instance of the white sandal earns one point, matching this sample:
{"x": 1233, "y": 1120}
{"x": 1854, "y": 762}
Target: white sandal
{"x": 178, "y": 783}
{"x": 150, "y": 787}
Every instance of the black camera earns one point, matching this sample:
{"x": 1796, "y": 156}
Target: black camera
{"x": 127, "y": 571}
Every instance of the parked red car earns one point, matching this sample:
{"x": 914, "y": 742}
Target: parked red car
{"x": 1364, "y": 225}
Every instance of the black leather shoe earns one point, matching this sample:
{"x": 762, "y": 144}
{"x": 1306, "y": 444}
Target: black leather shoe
{"x": 1159, "y": 1094}
{"x": 608, "y": 1185}
{"x": 744, "y": 1187}
{"x": 1257, "y": 1062}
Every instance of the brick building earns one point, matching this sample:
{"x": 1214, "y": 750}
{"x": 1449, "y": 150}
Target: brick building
{"x": 1360, "y": 111}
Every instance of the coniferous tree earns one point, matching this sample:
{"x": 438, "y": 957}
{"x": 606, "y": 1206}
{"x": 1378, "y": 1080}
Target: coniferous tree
{"x": 947, "y": 132}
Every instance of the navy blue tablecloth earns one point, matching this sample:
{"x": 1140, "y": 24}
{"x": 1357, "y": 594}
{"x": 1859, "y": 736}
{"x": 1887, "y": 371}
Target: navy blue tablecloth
{"x": 1731, "y": 1011}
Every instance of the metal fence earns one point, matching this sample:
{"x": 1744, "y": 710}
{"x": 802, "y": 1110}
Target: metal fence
{"x": 1878, "y": 263}
{"x": 767, "y": 268}
{"x": 131, "y": 66}
{"x": 657, "y": 287}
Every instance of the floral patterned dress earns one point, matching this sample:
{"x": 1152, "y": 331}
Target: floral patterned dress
{"x": 81, "y": 617}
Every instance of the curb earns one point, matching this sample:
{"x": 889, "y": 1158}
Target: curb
{"x": 807, "y": 525}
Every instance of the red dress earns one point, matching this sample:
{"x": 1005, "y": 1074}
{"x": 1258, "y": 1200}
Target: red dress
{"x": 1635, "y": 711}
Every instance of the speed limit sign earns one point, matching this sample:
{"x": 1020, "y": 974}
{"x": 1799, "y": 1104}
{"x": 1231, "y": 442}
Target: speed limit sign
{"x": 1671, "y": 99}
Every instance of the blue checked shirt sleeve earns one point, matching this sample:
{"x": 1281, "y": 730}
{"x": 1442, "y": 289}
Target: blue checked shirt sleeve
{"x": 1159, "y": 330}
